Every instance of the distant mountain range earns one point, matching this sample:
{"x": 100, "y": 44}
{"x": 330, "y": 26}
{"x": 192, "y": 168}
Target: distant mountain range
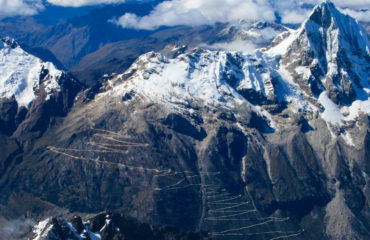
{"x": 118, "y": 56}
{"x": 71, "y": 39}
{"x": 74, "y": 41}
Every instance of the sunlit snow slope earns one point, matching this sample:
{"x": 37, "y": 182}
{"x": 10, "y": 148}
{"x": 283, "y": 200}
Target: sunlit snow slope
{"x": 21, "y": 74}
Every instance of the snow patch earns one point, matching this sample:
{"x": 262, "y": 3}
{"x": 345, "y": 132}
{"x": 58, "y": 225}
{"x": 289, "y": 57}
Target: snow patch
{"x": 331, "y": 112}
{"x": 283, "y": 46}
{"x": 42, "y": 229}
{"x": 357, "y": 107}
{"x": 180, "y": 80}
{"x": 305, "y": 71}
{"x": 267, "y": 115}
{"x": 348, "y": 139}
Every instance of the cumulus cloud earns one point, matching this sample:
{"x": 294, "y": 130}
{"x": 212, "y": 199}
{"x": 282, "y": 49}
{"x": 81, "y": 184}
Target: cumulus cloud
{"x": 19, "y": 7}
{"x": 80, "y": 3}
{"x": 31, "y": 7}
{"x": 356, "y": 4}
{"x": 296, "y": 11}
{"x": 359, "y": 9}
{"x": 236, "y": 45}
{"x": 199, "y": 12}
{"x": 361, "y": 15}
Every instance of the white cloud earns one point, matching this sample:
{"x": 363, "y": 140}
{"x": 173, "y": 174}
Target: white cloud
{"x": 80, "y": 3}
{"x": 30, "y": 7}
{"x": 19, "y": 7}
{"x": 293, "y": 17}
{"x": 363, "y": 15}
{"x": 198, "y": 12}
{"x": 293, "y": 12}
{"x": 236, "y": 45}
{"x": 356, "y": 4}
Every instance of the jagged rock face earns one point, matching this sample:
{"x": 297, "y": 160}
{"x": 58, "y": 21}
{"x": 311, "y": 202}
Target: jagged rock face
{"x": 231, "y": 143}
{"x": 33, "y": 95}
{"x": 108, "y": 226}
{"x": 8, "y": 112}
{"x": 330, "y": 53}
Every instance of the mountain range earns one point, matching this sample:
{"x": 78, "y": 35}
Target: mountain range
{"x": 89, "y": 45}
{"x": 182, "y": 138}
{"x": 71, "y": 39}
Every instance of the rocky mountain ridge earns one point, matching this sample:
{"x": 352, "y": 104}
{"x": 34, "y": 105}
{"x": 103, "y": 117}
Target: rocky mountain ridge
{"x": 28, "y": 85}
{"x": 269, "y": 145}
{"x": 329, "y": 78}
{"x": 107, "y": 226}
{"x": 117, "y": 57}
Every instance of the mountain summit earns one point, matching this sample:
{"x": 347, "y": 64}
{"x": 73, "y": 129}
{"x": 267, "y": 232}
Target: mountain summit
{"x": 333, "y": 48}
{"x": 23, "y": 73}
{"x": 28, "y": 85}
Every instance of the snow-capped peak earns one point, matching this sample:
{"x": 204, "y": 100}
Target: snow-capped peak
{"x": 326, "y": 27}
{"x": 326, "y": 3}
{"x": 350, "y": 34}
{"x": 22, "y": 74}
{"x": 328, "y": 53}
